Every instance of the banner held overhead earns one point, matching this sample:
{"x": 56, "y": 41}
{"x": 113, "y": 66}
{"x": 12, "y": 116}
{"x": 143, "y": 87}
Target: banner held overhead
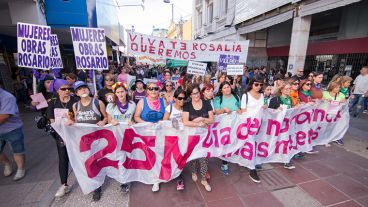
{"x": 225, "y": 60}
{"x": 234, "y": 70}
{"x": 55, "y": 56}
{"x": 89, "y": 48}
{"x": 196, "y": 68}
{"x": 33, "y": 46}
{"x": 140, "y": 44}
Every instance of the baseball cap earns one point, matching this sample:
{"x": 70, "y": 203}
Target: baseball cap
{"x": 79, "y": 84}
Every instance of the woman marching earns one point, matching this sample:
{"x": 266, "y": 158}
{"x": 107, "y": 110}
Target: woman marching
{"x": 151, "y": 109}
{"x": 225, "y": 102}
{"x": 63, "y": 102}
{"x": 121, "y": 110}
{"x": 88, "y": 110}
{"x": 198, "y": 113}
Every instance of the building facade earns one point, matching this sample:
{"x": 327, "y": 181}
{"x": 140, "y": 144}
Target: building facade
{"x": 181, "y": 30}
{"x": 317, "y": 35}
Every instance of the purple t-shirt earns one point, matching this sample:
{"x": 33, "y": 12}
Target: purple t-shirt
{"x": 8, "y": 105}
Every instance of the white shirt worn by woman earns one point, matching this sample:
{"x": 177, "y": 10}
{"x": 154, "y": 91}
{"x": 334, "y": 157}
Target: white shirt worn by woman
{"x": 252, "y": 105}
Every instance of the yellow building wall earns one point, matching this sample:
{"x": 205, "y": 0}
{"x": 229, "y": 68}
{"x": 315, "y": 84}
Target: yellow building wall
{"x": 187, "y": 30}
{"x": 171, "y": 32}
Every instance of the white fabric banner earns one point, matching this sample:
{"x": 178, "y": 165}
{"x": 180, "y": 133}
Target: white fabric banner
{"x": 152, "y": 153}
{"x": 140, "y": 44}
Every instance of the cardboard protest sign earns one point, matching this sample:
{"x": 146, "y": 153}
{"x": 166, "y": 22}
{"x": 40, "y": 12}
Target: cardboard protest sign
{"x": 34, "y": 46}
{"x": 196, "y": 68}
{"x": 55, "y": 56}
{"x": 225, "y": 60}
{"x": 89, "y": 48}
{"x": 140, "y": 44}
{"x": 234, "y": 70}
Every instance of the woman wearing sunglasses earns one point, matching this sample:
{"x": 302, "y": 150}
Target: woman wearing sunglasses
{"x": 90, "y": 111}
{"x": 304, "y": 93}
{"x": 64, "y": 103}
{"x": 282, "y": 100}
{"x": 252, "y": 101}
{"x": 106, "y": 94}
{"x": 294, "y": 94}
{"x": 226, "y": 101}
{"x": 198, "y": 113}
{"x": 151, "y": 109}
{"x": 168, "y": 93}
{"x": 174, "y": 112}
{"x": 121, "y": 110}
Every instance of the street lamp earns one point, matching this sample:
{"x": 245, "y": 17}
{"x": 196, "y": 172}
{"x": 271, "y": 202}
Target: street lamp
{"x": 172, "y": 9}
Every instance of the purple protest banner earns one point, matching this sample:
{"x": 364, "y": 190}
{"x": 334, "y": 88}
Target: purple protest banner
{"x": 33, "y": 46}
{"x": 55, "y": 56}
{"x": 225, "y": 60}
{"x": 89, "y": 48}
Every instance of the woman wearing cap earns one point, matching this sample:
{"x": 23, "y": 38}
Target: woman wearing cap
{"x": 106, "y": 94}
{"x": 121, "y": 110}
{"x": 63, "y": 103}
{"x": 90, "y": 111}
{"x": 139, "y": 91}
{"x": 198, "y": 113}
{"x": 151, "y": 109}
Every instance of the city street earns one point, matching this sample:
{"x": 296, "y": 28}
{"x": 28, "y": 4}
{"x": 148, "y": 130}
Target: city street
{"x": 337, "y": 176}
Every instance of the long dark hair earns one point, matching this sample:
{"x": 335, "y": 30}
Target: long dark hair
{"x": 251, "y": 82}
{"x": 127, "y": 96}
{"x": 219, "y": 93}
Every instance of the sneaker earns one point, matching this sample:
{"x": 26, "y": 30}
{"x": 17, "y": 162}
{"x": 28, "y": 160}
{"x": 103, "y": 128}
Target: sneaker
{"x": 259, "y": 167}
{"x": 225, "y": 169}
{"x": 254, "y": 176}
{"x": 313, "y": 152}
{"x": 96, "y": 194}
{"x": 298, "y": 156}
{"x": 19, "y": 175}
{"x": 206, "y": 185}
{"x": 7, "y": 170}
{"x": 180, "y": 185}
{"x": 64, "y": 189}
{"x": 289, "y": 166}
{"x": 340, "y": 142}
{"x": 155, "y": 187}
{"x": 125, "y": 188}
{"x": 194, "y": 177}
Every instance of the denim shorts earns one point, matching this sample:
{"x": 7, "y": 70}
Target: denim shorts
{"x": 16, "y": 140}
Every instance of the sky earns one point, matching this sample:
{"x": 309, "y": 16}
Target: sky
{"x": 156, "y": 13}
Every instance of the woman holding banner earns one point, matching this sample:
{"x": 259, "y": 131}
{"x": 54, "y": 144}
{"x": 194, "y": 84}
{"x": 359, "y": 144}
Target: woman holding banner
{"x": 174, "y": 112}
{"x": 198, "y": 113}
{"x": 121, "y": 110}
{"x": 151, "y": 109}
{"x": 90, "y": 111}
{"x": 64, "y": 104}
{"x": 282, "y": 100}
{"x": 251, "y": 103}
{"x": 226, "y": 101}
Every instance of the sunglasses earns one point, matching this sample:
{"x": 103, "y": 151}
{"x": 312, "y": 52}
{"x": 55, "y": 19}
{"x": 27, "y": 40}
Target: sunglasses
{"x": 308, "y": 84}
{"x": 258, "y": 84}
{"x": 310, "y": 75}
{"x": 180, "y": 98}
{"x": 296, "y": 83}
{"x": 154, "y": 89}
{"x": 66, "y": 89}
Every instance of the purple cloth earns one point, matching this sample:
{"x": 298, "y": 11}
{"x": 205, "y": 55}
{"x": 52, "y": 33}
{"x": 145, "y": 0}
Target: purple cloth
{"x": 8, "y": 105}
{"x": 57, "y": 83}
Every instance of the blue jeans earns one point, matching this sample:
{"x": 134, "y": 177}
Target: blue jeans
{"x": 356, "y": 104}
{"x": 15, "y": 139}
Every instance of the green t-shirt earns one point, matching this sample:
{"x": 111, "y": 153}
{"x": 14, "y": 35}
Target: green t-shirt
{"x": 340, "y": 96}
{"x": 230, "y": 103}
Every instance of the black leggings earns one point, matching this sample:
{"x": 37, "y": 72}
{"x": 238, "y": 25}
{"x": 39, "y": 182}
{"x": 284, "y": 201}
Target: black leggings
{"x": 63, "y": 159}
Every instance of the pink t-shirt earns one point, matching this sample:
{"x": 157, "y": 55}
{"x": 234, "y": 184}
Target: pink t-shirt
{"x": 123, "y": 78}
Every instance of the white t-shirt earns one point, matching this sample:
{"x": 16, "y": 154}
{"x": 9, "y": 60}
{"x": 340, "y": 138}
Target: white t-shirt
{"x": 361, "y": 84}
{"x": 175, "y": 116}
{"x": 113, "y": 111}
{"x": 253, "y": 105}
